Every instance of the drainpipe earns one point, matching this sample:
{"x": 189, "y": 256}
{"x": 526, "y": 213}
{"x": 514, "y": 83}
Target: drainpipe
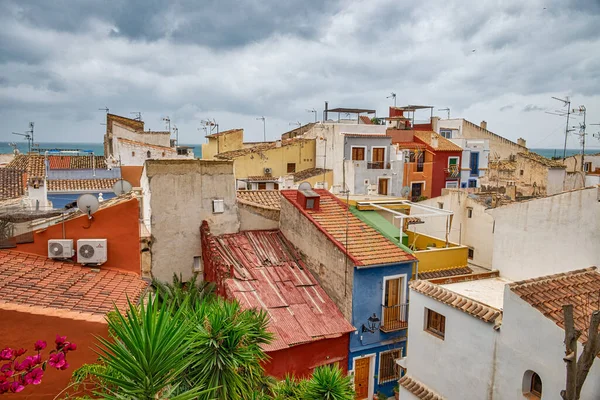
{"x": 416, "y": 269}
{"x": 94, "y": 164}
{"x": 326, "y": 112}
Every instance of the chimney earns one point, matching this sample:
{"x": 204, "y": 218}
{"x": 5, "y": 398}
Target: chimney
{"x": 434, "y": 141}
{"x": 522, "y": 142}
{"x": 326, "y": 112}
{"x": 483, "y": 125}
{"x": 434, "y": 124}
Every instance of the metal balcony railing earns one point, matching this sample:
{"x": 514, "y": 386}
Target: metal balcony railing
{"x": 394, "y": 318}
{"x": 376, "y": 165}
{"x": 452, "y": 171}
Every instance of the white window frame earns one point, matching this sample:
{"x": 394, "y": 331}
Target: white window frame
{"x": 454, "y": 158}
{"x": 446, "y": 130}
{"x": 372, "y": 356}
{"x": 379, "y": 366}
{"x": 454, "y": 183}
{"x": 384, "y": 153}
{"x": 423, "y": 182}
{"x": 358, "y": 147}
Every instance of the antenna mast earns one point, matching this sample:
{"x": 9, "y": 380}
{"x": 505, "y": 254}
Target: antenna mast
{"x": 392, "y": 96}
{"x": 566, "y": 102}
{"x": 263, "y": 119}
{"x": 447, "y": 109}
{"x": 138, "y": 115}
{"x": 167, "y": 122}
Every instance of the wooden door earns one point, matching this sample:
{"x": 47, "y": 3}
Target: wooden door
{"x": 378, "y": 157}
{"x": 361, "y": 377}
{"x": 392, "y": 301}
{"x": 383, "y": 186}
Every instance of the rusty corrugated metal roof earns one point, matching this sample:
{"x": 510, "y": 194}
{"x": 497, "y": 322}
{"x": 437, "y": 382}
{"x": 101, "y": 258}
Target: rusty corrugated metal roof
{"x": 269, "y": 274}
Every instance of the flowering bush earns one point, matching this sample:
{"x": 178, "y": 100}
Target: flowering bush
{"x": 17, "y": 373}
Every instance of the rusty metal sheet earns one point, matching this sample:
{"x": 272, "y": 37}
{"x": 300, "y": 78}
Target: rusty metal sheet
{"x": 288, "y": 326}
{"x": 290, "y": 293}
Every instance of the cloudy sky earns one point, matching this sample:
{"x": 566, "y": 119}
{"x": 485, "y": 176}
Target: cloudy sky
{"x": 499, "y": 61}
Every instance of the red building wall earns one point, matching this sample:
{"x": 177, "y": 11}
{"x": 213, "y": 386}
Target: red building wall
{"x": 301, "y": 360}
{"x": 439, "y": 174}
{"x": 21, "y": 329}
{"x": 119, "y": 224}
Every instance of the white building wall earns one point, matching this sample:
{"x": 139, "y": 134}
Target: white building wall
{"x": 155, "y": 138}
{"x": 476, "y": 232}
{"x": 556, "y": 181}
{"x": 530, "y": 341}
{"x": 461, "y": 366}
{"x": 548, "y": 235}
{"x": 131, "y": 154}
{"x": 146, "y": 200}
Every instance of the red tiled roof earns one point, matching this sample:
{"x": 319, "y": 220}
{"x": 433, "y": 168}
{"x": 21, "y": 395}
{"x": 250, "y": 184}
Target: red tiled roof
{"x": 548, "y": 294}
{"x": 261, "y": 178}
{"x": 443, "y": 143}
{"x": 65, "y": 185}
{"x": 366, "y": 120}
{"x": 11, "y": 183}
{"x": 35, "y": 281}
{"x": 465, "y": 304}
{"x": 32, "y": 164}
{"x": 443, "y": 273}
{"x": 267, "y": 273}
{"x": 365, "y": 246}
{"x": 76, "y": 162}
{"x": 410, "y": 145}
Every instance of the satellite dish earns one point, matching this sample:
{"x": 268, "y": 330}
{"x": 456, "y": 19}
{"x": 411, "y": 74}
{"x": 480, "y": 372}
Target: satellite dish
{"x": 405, "y": 191}
{"x": 304, "y": 186}
{"x": 88, "y": 204}
{"x": 121, "y": 187}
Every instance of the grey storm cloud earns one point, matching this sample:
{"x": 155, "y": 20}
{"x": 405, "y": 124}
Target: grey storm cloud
{"x": 61, "y": 61}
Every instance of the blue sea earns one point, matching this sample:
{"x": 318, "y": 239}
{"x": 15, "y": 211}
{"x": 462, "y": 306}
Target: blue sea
{"x": 549, "y": 153}
{"x": 97, "y": 148}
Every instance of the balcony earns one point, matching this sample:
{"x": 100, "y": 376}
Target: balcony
{"x": 377, "y": 165}
{"x": 452, "y": 171}
{"x": 395, "y": 318}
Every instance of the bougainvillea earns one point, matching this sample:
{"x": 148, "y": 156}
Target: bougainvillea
{"x": 17, "y": 372}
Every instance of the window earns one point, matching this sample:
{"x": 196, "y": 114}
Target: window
{"x": 276, "y": 186}
{"x": 218, "y": 206}
{"x": 197, "y": 264}
{"x": 471, "y": 253}
{"x": 521, "y": 172}
{"x": 262, "y": 185}
{"x": 452, "y": 185}
{"x": 358, "y": 153}
{"x": 394, "y": 312}
{"x": 587, "y": 167}
{"x": 440, "y": 205}
{"x": 291, "y": 168}
{"x": 310, "y": 204}
{"x": 148, "y": 154}
{"x": 435, "y": 323}
{"x": 387, "y": 366}
{"x": 133, "y": 154}
{"x": 472, "y": 183}
{"x": 469, "y": 212}
{"x": 474, "y": 164}
{"x": 420, "y": 161}
{"x": 446, "y": 133}
{"x": 532, "y": 385}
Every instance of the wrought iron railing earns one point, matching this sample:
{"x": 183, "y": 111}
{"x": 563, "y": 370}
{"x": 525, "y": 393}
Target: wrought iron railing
{"x": 452, "y": 171}
{"x": 394, "y": 317}
{"x": 376, "y": 165}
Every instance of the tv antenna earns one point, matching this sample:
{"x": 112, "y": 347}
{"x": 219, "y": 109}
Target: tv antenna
{"x": 28, "y": 135}
{"x": 121, "y": 187}
{"x": 105, "y": 109}
{"x": 263, "y": 119}
{"x": 167, "y": 122}
{"x": 312, "y": 110}
{"x": 566, "y": 102}
{"x": 176, "y": 132}
{"x": 138, "y": 115}
{"x": 88, "y": 204}
{"x": 392, "y": 96}
{"x": 210, "y": 124}
{"x": 447, "y": 109}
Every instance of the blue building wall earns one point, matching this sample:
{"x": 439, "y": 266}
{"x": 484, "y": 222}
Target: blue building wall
{"x": 83, "y": 173}
{"x": 368, "y": 286}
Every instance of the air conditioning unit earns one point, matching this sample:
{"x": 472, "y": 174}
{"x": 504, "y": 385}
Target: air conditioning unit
{"x": 268, "y": 171}
{"x": 60, "y": 248}
{"x": 91, "y": 251}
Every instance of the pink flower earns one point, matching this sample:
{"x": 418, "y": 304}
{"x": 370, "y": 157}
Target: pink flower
{"x": 7, "y": 354}
{"x": 20, "y": 352}
{"x": 39, "y": 345}
{"x": 20, "y": 366}
{"x": 70, "y": 346}
{"x": 60, "y": 340}
{"x": 57, "y": 360}
{"x": 16, "y": 387}
{"x": 6, "y": 367}
{"x": 34, "y": 377}
{"x": 4, "y": 387}
{"x": 37, "y": 359}
{"x": 66, "y": 366}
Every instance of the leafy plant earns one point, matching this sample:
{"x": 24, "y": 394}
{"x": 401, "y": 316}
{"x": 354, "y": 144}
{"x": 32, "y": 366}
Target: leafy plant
{"x": 289, "y": 388}
{"x": 329, "y": 383}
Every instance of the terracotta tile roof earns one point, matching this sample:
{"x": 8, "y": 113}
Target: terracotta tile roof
{"x": 301, "y": 130}
{"x": 366, "y": 120}
{"x": 76, "y": 162}
{"x": 309, "y": 173}
{"x": 224, "y": 133}
{"x": 67, "y": 185}
{"x": 32, "y": 164}
{"x": 472, "y": 307}
{"x": 442, "y": 273}
{"x": 365, "y": 245}
{"x": 548, "y": 294}
{"x": 130, "y": 122}
{"x": 34, "y": 280}
{"x": 268, "y": 273}
{"x": 261, "y": 178}
{"x": 410, "y": 145}
{"x": 503, "y": 165}
{"x": 269, "y": 199}
{"x": 443, "y": 143}
{"x": 147, "y": 145}
{"x": 367, "y": 135}
{"x": 11, "y": 183}
{"x": 542, "y": 160}
{"x": 418, "y": 389}
{"x": 259, "y": 148}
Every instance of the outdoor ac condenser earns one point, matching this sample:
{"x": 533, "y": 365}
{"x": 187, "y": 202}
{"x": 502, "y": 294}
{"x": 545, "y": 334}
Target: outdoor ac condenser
{"x": 92, "y": 251}
{"x": 60, "y": 248}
